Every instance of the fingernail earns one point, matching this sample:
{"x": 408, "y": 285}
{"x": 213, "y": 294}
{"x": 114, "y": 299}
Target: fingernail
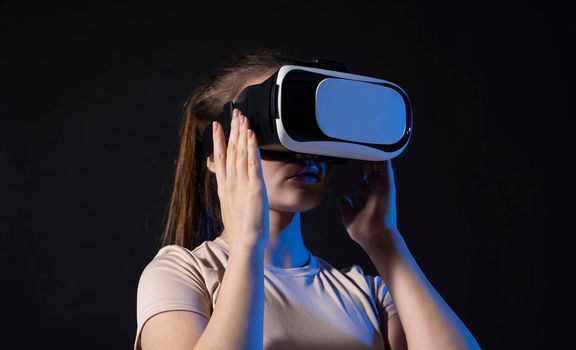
{"x": 215, "y": 126}
{"x": 242, "y": 119}
{"x": 250, "y": 133}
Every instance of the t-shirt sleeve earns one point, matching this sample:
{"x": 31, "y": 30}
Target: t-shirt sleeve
{"x": 385, "y": 304}
{"x": 171, "y": 281}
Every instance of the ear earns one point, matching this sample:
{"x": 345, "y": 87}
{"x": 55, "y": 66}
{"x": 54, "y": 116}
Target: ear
{"x": 210, "y": 164}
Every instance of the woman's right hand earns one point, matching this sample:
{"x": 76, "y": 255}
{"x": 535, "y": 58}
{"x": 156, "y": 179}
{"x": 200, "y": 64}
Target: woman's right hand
{"x": 241, "y": 187}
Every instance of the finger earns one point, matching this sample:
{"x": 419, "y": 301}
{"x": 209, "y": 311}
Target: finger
{"x": 232, "y": 145}
{"x": 254, "y": 163}
{"x": 219, "y": 154}
{"x": 380, "y": 179}
{"x": 241, "y": 152}
{"x": 346, "y": 208}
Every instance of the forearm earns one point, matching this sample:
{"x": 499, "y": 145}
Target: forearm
{"x": 428, "y": 322}
{"x": 238, "y": 318}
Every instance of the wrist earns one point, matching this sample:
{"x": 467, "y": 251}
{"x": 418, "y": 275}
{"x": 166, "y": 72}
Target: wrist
{"x": 256, "y": 249}
{"x": 387, "y": 249}
{"x": 383, "y": 241}
{"x": 388, "y": 253}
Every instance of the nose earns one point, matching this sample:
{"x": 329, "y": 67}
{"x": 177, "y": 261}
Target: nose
{"x": 312, "y": 164}
{"x": 312, "y": 161}
{"x": 315, "y": 166}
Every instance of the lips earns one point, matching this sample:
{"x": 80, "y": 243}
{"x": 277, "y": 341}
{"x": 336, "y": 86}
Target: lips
{"x": 308, "y": 173}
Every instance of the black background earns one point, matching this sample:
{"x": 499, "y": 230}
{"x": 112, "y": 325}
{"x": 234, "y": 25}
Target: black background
{"x": 89, "y": 117}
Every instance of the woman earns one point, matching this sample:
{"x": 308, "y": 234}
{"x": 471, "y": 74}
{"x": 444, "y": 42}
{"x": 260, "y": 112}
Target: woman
{"x": 234, "y": 272}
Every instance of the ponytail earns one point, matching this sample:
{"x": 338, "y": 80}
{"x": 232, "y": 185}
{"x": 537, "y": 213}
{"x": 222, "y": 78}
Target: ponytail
{"x": 193, "y": 213}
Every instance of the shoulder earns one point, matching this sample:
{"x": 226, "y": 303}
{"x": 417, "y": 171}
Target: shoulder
{"x": 356, "y": 273}
{"x": 374, "y": 282}
{"x": 178, "y": 278}
{"x": 175, "y": 254}
{"x": 176, "y": 265}
{"x": 208, "y": 255}
{"x": 176, "y": 274}
{"x": 372, "y": 285}
{"x": 353, "y": 274}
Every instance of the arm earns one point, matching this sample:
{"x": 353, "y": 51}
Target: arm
{"x": 426, "y": 320}
{"x": 393, "y": 333}
{"x": 370, "y": 220}
{"x": 237, "y": 320}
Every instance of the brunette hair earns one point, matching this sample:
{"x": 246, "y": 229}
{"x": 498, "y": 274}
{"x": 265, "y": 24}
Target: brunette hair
{"x": 193, "y": 213}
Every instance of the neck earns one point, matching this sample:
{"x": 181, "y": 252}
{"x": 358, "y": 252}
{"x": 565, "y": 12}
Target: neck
{"x": 285, "y": 247}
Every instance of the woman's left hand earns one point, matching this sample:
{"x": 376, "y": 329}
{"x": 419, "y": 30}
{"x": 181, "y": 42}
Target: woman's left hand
{"x": 371, "y": 213}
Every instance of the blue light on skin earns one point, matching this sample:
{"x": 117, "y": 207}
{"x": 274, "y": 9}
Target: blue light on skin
{"x": 306, "y": 179}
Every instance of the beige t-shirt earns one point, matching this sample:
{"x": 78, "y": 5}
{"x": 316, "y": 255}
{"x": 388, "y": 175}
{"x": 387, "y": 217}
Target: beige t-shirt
{"x": 310, "y": 307}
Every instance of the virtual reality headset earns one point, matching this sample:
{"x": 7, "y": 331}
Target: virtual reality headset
{"x": 317, "y": 109}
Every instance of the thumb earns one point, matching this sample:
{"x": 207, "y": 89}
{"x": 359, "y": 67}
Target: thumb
{"x": 345, "y": 206}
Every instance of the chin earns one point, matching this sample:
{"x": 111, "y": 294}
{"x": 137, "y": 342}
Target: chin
{"x": 297, "y": 202}
{"x": 300, "y": 207}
